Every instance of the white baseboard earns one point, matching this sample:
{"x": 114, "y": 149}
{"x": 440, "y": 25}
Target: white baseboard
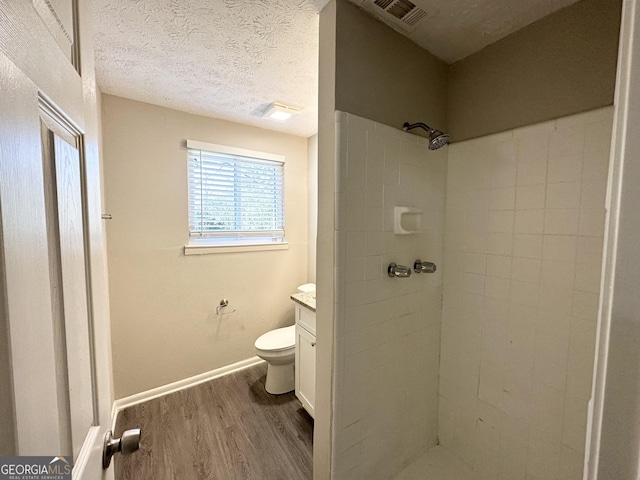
{"x": 122, "y": 403}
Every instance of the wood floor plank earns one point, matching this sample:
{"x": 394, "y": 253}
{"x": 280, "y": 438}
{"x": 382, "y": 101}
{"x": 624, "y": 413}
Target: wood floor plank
{"x": 226, "y": 429}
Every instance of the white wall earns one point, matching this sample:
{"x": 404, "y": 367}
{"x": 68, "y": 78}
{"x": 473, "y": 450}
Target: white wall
{"x": 163, "y": 303}
{"x": 326, "y": 247}
{"x": 387, "y": 330}
{"x": 355, "y": 47}
{"x": 523, "y": 253}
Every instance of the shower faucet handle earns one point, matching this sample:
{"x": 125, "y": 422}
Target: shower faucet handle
{"x": 424, "y": 267}
{"x": 394, "y": 270}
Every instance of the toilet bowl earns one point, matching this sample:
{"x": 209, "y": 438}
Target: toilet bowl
{"x": 278, "y": 349}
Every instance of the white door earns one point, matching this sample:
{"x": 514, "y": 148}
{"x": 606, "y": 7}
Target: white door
{"x": 52, "y": 265}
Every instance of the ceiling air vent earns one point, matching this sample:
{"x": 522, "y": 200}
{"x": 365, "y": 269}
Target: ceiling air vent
{"x": 402, "y": 14}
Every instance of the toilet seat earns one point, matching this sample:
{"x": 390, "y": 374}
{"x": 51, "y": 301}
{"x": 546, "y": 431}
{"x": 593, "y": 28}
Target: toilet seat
{"x": 277, "y": 340}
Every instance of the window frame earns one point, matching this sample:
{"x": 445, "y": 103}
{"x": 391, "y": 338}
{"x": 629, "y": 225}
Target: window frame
{"x": 219, "y": 242}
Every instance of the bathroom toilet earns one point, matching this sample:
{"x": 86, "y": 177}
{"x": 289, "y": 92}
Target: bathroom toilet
{"x": 278, "y": 349}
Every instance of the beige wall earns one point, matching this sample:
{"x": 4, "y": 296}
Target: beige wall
{"x": 523, "y": 253}
{"x": 563, "y": 64}
{"x": 312, "y": 195}
{"x": 163, "y": 302}
{"x": 383, "y": 76}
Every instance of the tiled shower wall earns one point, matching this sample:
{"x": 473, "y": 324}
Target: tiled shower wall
{"x": 387, "y": 330}
{"x": 523, "y": 246}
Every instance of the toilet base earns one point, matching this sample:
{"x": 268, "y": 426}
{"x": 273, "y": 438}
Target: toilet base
{"x": 280, "y": 379}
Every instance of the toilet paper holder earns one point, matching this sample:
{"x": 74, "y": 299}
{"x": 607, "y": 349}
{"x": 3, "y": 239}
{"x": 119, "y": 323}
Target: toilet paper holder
{"x": 223, "y": 303}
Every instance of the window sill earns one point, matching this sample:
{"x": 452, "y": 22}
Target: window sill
{"x": 209, "y": 249}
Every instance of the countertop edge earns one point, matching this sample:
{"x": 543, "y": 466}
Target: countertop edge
{"x": 305, "y": 299}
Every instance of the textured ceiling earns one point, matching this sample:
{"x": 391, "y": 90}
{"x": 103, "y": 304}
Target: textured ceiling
{"x": 230, "y": 59}
{"x": 454, "y": 29}
{"x": 226, "y": 59}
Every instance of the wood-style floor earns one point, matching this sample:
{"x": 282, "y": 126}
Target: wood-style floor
{"x": 228, "y": 428}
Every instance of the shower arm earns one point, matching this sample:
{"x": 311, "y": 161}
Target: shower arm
{"x": 410, "y": 126}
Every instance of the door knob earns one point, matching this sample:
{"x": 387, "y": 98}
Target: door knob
{"x": 126, "y": 445}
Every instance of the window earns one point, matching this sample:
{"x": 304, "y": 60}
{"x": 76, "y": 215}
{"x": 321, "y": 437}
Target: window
{"x": 236, "y": 196}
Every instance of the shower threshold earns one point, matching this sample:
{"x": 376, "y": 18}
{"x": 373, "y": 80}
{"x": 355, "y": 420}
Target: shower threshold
{"x": 436, "y": 464}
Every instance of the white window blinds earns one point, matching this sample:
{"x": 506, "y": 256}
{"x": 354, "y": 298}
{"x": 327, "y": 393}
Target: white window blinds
{"x": 235, "y": 198}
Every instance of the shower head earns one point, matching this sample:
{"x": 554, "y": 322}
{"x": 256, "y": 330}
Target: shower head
{"x": 437, "y": 139}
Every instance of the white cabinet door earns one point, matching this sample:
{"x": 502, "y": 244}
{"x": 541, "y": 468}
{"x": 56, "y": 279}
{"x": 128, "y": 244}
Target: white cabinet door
{"x": 306, "y": 368}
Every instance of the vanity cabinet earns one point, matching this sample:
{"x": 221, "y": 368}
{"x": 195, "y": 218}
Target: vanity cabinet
{"x": 305, "y": 370}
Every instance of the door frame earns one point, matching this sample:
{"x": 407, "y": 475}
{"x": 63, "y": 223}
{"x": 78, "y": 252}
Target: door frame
{"x": 613, "y": 437}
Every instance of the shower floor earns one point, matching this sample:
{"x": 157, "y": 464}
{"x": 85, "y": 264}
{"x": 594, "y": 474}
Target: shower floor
{"x": 436, "y": 464}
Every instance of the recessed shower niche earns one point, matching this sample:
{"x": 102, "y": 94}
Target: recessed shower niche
{"x": 407, "y": 220}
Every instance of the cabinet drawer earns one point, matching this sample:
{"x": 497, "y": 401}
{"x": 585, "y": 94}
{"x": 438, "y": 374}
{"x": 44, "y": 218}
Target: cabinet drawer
{"x": 306, "y": 318}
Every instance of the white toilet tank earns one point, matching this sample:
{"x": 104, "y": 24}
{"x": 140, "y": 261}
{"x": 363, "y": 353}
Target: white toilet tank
{"x": 307, "y": 287}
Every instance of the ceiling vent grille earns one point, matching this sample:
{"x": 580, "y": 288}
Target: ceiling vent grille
{"x": 397, "y": 13}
